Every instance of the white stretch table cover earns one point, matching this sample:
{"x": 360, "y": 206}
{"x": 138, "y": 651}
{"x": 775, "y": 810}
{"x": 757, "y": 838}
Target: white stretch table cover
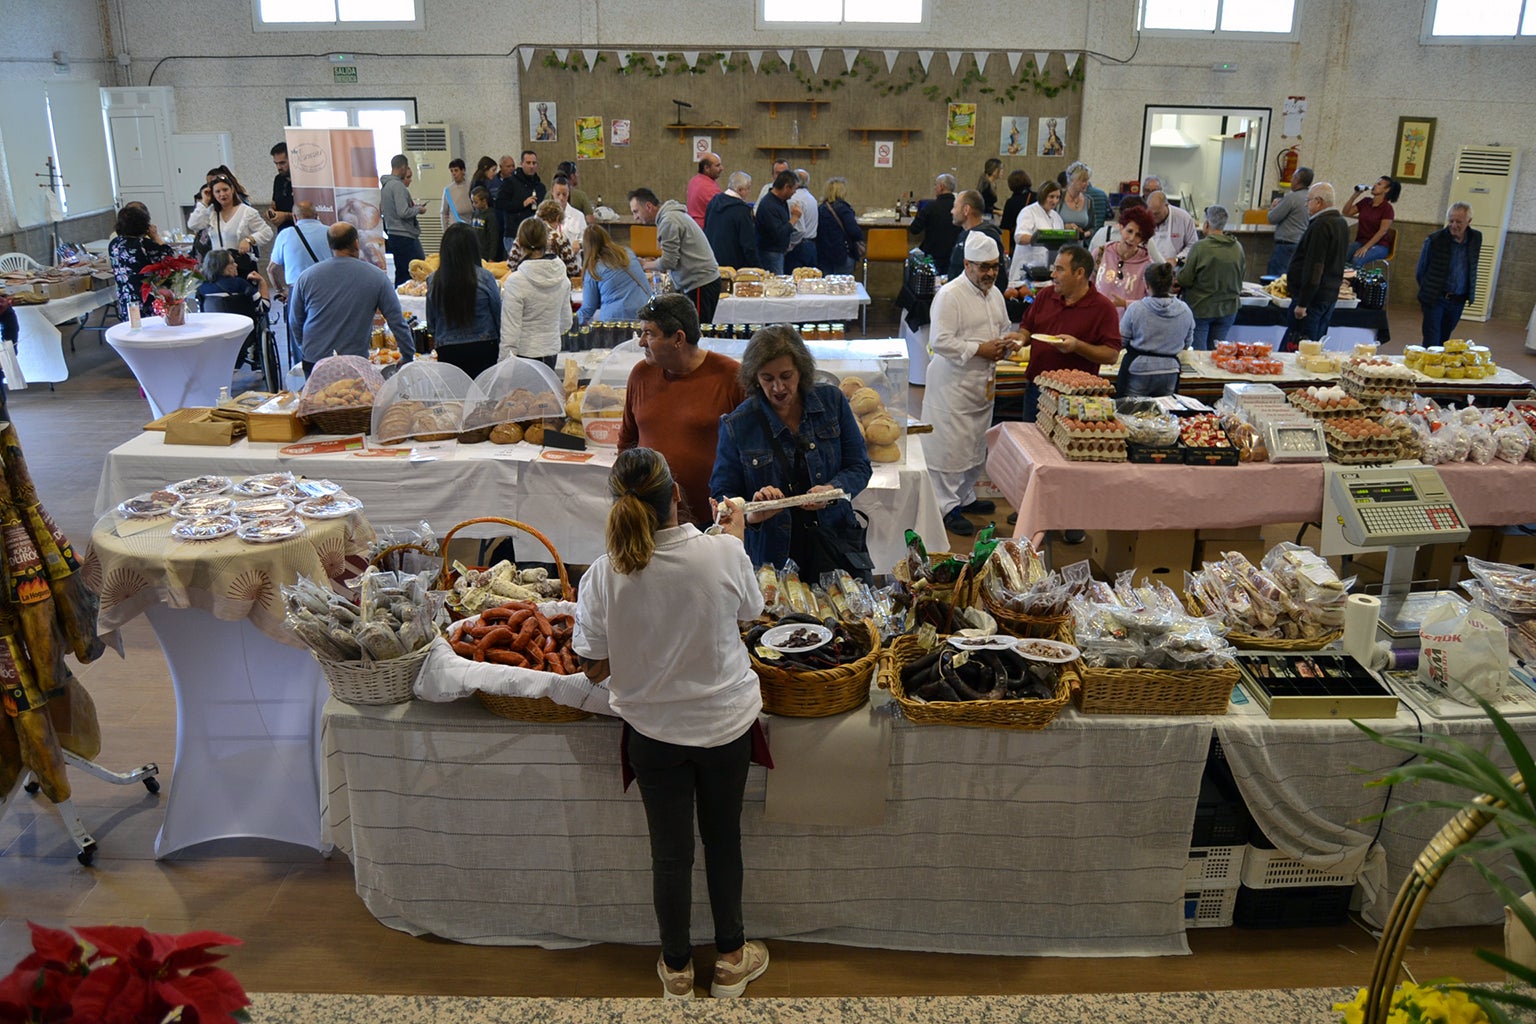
{"x": 481, "y": 830}
{"x": 918, "y": 354}
{"x": 798, "y": 309}
{"x": 247, "y": 703}
{"x": 40, "y": 345}
{"x": 415, "y": 305}
{"x": 181, "y": 366}
{"x": 565, "y": 501}
{"x": 1305, "y": 782}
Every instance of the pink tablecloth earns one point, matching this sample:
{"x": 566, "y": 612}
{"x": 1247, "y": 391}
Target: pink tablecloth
{"x": 1053, "y": 493}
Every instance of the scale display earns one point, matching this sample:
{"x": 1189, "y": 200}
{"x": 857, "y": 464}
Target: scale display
{"x": 1392, "y": 507}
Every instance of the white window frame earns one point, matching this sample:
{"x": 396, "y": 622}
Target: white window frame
{"x": 1294, "y": 35}
{"x": 334, "y": 26}
{"x": 764, "y": 25}
{"x": 1427, "y": 32}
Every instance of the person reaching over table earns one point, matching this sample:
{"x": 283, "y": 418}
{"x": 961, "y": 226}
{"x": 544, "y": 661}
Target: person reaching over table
{"x": 464, "y": 304}
{"x": 813, "y": 444}
{"x": 658, "y": 618}
{"x": 1176, "y": 229}
{"x": 136, "y": 245}
{"x": 1071, "y": 325}
{"x": 685, "y": 251}
{"x": 675, "y": 398}
{"x": 1153, "y": 331}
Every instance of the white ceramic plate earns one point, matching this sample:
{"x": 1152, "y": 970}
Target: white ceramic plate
{"x": 334, "y": 506}
{"x": 149, "y": 505}
{"x": 270, "y": 529}
{"x": 203, "y": 505}
{"x": 205, "y": 528}
{"x": 259, "y": 508}
{"x": 264, "y": 484}
{"x": 795, "y": 637}
{"x": 1053, "y": 651}
{"x": 193, "y": 486}
{"x": 981, "y": 643}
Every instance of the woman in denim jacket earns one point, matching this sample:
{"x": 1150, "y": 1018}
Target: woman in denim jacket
{"x": 791, "y": 436}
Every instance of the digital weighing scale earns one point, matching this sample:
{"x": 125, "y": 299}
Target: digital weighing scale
{"x": 1396, "y": 508}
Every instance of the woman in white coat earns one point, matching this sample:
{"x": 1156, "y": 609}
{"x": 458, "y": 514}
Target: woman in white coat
{"x": 535, "y": 300}
{"x": 230, "y": 223}
{"x": 1041, "y": 215}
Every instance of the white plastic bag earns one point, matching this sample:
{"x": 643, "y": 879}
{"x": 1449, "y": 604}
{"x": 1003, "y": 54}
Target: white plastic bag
{"x": 1463, "y": 651}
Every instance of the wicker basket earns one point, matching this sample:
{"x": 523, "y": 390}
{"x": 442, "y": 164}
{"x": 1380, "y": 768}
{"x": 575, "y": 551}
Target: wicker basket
{"x": 961, "y": 585}
{"x": 1044, "y": 627}
{"x": 994, "y": 714}
{"x": 818, "y": 693}
{"x": 374, "y": 682}
{"x": 342, "y": 421}
{"x": 1248, "y": 642}
{"x": 529, "y": 709}
{"x": 446, "y": 576}
{"x": 1153, "y": 691}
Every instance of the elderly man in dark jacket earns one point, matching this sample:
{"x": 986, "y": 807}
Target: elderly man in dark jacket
{"x": 1317, "y": 269}
{"x": 729, "y": 225}
{"x": 1447, "y": 273}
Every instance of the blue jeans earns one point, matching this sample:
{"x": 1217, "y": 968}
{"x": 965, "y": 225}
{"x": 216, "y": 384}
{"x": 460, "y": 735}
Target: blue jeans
{"x": 1031, "y": 409}
{"x": 802, "y": 255}
{"x": 1440, "y": 319}
{"x": 1312, "y": 326}
{"x": 1209, "y": 330}
{"x": 773, "y": 262}
{"x": 1280, "y": 258}
{"x": 403, "y": 248}
{"x": 1359, "y": 256}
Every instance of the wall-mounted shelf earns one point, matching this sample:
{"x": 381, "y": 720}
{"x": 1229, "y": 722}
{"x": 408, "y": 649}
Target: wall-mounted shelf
{"x": 903, "y": 132}
{"x": 711, "y": 129}
{"x": 774, "y": 151}
{"x": 773, "y": 105}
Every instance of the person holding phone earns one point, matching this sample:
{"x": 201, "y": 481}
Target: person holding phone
{"x": 230, "y": 223}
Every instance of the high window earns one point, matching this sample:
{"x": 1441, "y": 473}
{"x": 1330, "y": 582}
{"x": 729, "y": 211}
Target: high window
{"x": 1272, "y": 19}
{"x": 1491, "y": 21}
{"x": 308, "y": 15}
{"x": 845, "y": 12}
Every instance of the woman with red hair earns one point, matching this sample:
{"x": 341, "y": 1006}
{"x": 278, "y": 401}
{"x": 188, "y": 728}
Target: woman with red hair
{"x": 1126, "y": 259}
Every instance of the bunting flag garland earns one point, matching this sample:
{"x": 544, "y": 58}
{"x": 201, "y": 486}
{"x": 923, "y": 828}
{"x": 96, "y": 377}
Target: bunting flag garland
{"x": 1071, "y": 62}
{"x": 981, "y": 61}
{"x": 560, "y": 55}
{"x": 1014, "y": 56}
{"x": 1040, "y": 59}
{"x": 890, "y": 60}
{"x": 849, "y": 56}
{"x": 591, "y": 58}
{"x": 659, "y": 57}
{"x": 815, "y": 58}
{"x": 925, "y": 57}
{"x": 955, "y": 57}
{"x": 787, "y": 56}
{"x": 691, "y": 56}
{"x": 624, "y": 58}
{"x": 527, "y": 54}
{"x": 755, "y": 57}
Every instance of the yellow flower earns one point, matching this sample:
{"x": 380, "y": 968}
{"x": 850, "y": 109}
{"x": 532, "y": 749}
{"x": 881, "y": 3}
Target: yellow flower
{"x": 1418, "y": 1004}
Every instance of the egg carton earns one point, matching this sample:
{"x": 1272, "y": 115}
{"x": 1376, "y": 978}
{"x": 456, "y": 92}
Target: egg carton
{"x": 1304, "y": 402}
{"x": 1093, "y": 451}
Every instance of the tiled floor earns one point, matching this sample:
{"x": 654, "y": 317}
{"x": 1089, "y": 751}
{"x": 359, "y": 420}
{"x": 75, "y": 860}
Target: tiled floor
{"x": 305, "y": 929}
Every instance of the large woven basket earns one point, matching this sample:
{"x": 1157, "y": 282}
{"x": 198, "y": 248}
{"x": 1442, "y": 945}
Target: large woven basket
{"x": 1153, "y": 691}
{"x": 1249, "y": 642}
{"x": 445, "y": 578}
{"x": 1014, "y": 623}
{"x": 374, "y": 682}
{"x": 993, "y": 714}
{"x": 529, "y": 709}
{"x": 342, "y": 421}
{"x": 818, "y": 693}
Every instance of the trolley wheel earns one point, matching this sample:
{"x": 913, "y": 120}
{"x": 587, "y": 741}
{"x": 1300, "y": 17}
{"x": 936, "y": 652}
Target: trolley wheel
{"x": 32, "y": 787}
{"x": 87, "y": 855}
{"x": 152, "y": 784}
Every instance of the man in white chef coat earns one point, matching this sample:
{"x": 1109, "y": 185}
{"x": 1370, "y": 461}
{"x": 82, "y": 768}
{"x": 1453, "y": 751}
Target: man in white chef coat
{"x": 967, "y": 337}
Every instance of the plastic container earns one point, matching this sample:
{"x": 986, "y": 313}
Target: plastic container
{"x": 600, "y": 404}
{"x": 1312, "y": 906}
{"x": 1268, "y": 868}
{"x": 1214, "y": 867}
{"x": 1209, "y": 908}
{"x": 1219, "y": 820}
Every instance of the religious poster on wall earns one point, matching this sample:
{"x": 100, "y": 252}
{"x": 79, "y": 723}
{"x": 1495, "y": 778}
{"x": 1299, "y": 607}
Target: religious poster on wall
{"x": 1053, "y": 136}
{"x": 589, "y": 138}
{"x": 961, "y": 127}
{"x": 1014, "y": 140}
{"x": 542, "y": 122}
{"x": 885, "y": 152}
{"x": 619, "y": 132}
{"x": 335, "y": 169}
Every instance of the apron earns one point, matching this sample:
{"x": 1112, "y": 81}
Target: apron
{"x": 957, "y": 398}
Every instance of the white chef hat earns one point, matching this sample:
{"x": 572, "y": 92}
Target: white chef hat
{"x": 980, "y": 248}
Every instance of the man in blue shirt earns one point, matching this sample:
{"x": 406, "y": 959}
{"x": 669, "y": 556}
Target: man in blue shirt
{"x": 1447, "y": 273}
{"x": 333, "y": 303}
{"x": 294, "y": 252}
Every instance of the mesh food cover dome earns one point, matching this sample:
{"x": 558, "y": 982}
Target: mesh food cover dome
{"x": 600, "y": 404}
{"x": 508, "y": 398}
{"x": 340, "y": 382}
{"x": 424, "y": 401}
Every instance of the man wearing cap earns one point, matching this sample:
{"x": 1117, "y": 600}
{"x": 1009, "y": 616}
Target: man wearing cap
{"x": 967, "y": 338}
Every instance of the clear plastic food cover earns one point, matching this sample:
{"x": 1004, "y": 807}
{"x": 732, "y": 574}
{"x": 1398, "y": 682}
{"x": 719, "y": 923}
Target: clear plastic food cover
{"x": 424, "y": 401}
{"x": 515, "y": 391}
{"x": 340, "y": 382}
{"x": 600, "y": 405}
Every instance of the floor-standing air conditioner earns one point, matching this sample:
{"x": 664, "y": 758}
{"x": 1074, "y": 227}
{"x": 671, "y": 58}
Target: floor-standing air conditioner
{"x": 1485, "y": 179}
{"x": 429, "y": 147}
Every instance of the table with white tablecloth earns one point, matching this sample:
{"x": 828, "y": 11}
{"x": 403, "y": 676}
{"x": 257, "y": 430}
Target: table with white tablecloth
{"x": 40, "y": 346}
{"x": 566, "y": 501}
{"x": 248, "y": 696}
{"x": 183, "y": 365}
{"x": 794, "y": 309}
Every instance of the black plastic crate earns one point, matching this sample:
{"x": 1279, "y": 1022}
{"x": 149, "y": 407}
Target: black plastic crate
{"x": 1302, "y": 906}
{"x": 1219, "y": 820}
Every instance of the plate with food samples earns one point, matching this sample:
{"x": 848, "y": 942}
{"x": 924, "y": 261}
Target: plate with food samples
{"x": 263, "y": 484}
{"x": 980, "y": 642}
{"x": 332, "y": 506}
{"x": 149, "y": 505}
{"x": 205, "y": 527}
{"x": 258, "y": 508}
{"x": 303, "y": 490}
{"x": 271, "y": 529}
{"x": 203, "y": 505}
{"x": 1057, "y": 340}
{"x": 193, "y": 486}
{"x": 794, "y": 637}
{"x": 1054, "y": 651}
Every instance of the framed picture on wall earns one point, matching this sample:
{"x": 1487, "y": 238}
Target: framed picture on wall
{"x": 1415, "y": 139}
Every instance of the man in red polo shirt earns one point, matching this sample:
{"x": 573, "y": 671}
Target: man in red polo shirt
{"x": 1084, "y": 324}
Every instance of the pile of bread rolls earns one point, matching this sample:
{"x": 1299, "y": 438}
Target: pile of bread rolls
{"x": 880, "y": 428}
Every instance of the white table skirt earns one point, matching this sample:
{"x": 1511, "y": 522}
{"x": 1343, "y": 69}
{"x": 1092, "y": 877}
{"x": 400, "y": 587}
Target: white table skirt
{"x": 1067, "y": 842}
{"x": 567, "y": 502}
{"x": 796, "y": 310}
{"x": 40, "y": 345}
{"x": 181, "y": 366}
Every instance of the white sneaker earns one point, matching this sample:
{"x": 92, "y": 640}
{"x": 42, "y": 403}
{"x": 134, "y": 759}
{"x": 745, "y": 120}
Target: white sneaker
{"x": 731, "y": 980}
{"x": 675, "y": 984}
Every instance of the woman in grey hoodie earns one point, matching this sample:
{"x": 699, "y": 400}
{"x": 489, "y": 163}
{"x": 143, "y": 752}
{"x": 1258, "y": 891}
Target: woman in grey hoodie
{"x": 1153, "y": 332}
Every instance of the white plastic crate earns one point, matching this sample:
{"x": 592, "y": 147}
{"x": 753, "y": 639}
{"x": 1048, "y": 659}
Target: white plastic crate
{"x": 1209, "y": 908}
{"x": 1214, "y": 867}
{"x": 1271, "y": 869}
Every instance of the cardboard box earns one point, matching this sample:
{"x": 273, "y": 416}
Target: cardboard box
{"x": 1515, "y": 545}
{"x": 1160, "y": 555}
{"x": 1238, "y": 533}
{"x": 276, "y": 420}
{"x": 204, "y": 430}
{"x": 1213, "y": 550}
{"x": 65, "y": 288}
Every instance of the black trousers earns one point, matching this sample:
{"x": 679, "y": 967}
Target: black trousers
{"x": 473, "y": 357}
{"x": 673, "y": 779}
{"x": 706, "y": 298}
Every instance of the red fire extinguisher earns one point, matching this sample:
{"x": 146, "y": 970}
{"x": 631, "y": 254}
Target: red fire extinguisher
{"x": 1287, "y": 161}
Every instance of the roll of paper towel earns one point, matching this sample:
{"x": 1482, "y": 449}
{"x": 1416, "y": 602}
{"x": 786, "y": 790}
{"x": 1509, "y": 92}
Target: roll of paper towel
{"x": 1361, "y": 612}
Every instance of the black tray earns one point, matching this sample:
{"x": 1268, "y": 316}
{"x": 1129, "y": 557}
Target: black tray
{"x": 1210, "y": 456}
{"x": 1171, "y": 455}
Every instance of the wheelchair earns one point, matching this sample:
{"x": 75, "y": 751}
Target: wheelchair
{"x": 260, "y": 348}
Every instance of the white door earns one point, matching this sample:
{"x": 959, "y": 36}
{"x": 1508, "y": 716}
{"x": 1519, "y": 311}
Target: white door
{"x": 136, "y": 151}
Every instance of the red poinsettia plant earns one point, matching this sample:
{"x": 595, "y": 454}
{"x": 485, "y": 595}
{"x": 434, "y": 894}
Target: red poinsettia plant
{"x": 174, "y": 277}
{"x": 121, "y": 975}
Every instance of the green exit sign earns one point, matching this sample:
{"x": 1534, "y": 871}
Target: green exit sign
{"x": 346, "y": 74}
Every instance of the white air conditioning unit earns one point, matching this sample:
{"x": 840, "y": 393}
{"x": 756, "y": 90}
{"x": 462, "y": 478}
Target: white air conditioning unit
{"x": 1485, "y": 180}
{"x": 429, "y": 147}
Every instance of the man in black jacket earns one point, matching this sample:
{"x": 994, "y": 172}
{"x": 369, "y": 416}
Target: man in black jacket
{"x": 729, "y": 225}
{"x": 935, "y": 222}
{"x": 1447, "y": 273}
{"x": 968, "y": 218}
{"x": 1316, "y": 271}
{"x": 519, "y": 197}
{"x": 773, "y": 223}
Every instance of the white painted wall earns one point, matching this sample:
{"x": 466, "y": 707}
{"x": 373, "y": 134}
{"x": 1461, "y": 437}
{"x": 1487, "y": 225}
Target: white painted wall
{"x": 1359, "y": 62}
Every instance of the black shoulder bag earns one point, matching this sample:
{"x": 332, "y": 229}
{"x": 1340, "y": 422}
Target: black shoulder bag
{"x": 844, "y": 546}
